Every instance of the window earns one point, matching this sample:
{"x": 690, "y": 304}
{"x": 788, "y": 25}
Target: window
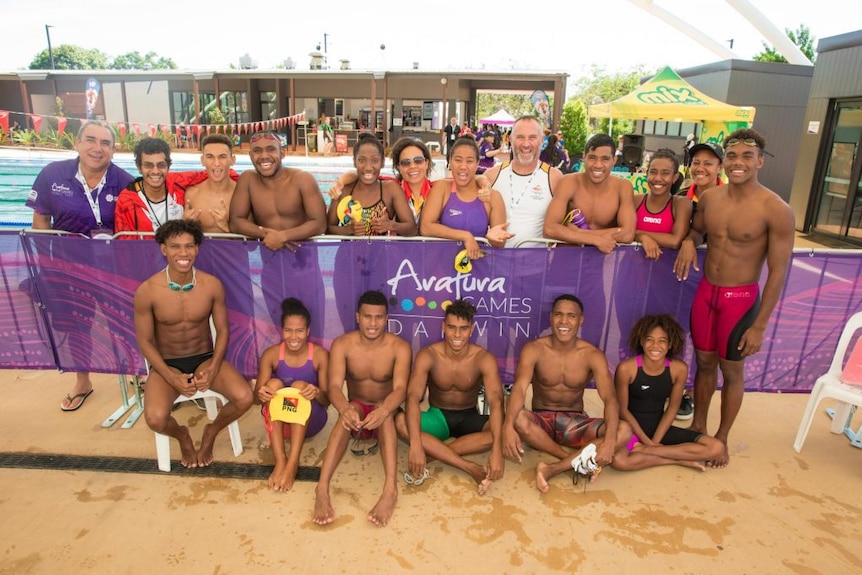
{"x": 268, "y": 105}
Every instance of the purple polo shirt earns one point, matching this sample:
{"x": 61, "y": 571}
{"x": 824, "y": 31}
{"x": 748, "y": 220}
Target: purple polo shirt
{"x": 58, "y": 193}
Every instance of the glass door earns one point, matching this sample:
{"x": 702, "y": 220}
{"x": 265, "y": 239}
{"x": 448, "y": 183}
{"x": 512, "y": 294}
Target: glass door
{"x": 840, "y": 208}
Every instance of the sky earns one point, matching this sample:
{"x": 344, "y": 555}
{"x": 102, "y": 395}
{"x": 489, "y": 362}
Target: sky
{"x": 460, "y": 35}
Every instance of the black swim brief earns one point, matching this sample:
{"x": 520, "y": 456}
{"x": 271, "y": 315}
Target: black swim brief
{"x": 188, "y": 364}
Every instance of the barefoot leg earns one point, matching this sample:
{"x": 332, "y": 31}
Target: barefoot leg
{"x": 187, "y": 448}
{"x": 205, "y": 452}
{"x": 382, "y": 511}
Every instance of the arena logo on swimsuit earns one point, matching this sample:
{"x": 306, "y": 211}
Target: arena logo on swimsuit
{"x": 457, "y": 285}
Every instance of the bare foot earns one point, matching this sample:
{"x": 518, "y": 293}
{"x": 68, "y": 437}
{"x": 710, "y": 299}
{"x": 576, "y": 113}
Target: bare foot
{"x": 693, "y": 464}
{"x": 382, "y": 512}
{"x": 541, "y": 482}
{"x": 289, "y": 476}
{"x": 187, "y": 447}
{"x": 276, "y": 478}
{"x": 324, "y": 514}
{"x": 205, "y": 453}
{"x": 721, "y": 462}
{"x": 480, "y": 476}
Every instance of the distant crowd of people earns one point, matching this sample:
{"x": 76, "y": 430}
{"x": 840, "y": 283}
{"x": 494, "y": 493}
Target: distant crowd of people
{"x": 526, "y": 196}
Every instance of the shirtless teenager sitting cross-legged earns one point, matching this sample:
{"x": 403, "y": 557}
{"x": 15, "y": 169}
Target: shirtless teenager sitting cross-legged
{"x": 173, "y": 308}
{"x": 559, "y": 366}
{"x": 453, "y": 371}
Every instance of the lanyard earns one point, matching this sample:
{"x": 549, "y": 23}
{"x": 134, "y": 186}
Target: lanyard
{"x": 88, "y": 193}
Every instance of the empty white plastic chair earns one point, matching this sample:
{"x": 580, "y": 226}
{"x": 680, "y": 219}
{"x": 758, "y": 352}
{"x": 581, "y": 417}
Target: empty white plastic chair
{"x": 831, "y": 384}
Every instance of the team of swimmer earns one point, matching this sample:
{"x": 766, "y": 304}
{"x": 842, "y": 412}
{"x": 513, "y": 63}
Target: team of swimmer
{"x": 516, "y": 201}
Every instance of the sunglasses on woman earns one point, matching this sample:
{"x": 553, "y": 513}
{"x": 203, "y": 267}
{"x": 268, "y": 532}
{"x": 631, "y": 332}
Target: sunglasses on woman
{"x": 418, "y": 160}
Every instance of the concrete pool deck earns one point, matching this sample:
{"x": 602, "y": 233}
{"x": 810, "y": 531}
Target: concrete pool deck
{"x": 770, "y": 511}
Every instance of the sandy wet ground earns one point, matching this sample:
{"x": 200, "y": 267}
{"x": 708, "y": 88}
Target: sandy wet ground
{"x": 771, "y": 511}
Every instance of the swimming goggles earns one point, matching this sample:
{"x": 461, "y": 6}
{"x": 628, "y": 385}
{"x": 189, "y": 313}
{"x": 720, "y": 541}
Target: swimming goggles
{"x": 174, "y": 286}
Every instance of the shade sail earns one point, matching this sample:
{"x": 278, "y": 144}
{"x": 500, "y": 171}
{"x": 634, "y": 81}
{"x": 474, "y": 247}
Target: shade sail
{"x": 666, "y": 96}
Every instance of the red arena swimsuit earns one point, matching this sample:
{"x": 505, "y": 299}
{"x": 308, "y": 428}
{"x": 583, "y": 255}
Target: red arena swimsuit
{"x": 720, "y": 315}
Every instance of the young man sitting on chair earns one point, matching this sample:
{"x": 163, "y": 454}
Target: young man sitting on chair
{"x": 172, "y": 324}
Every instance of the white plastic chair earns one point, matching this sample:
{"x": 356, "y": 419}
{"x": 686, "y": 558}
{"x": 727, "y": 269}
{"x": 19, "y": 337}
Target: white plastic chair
{"x": 830, "y": 385}
{"x": 163, "y": 442}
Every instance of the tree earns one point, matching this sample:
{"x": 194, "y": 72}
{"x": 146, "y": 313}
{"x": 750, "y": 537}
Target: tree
{"x": 516, "y": 104}
{"x": 68, "y": 57}
{"x": 573, "y": 124}
{"x": 801, "y": 37}
{"x": 134, "y": 61}
{"x": 600, "y": 86}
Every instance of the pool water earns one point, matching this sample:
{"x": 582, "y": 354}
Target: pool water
{"x": 20, "y": 166}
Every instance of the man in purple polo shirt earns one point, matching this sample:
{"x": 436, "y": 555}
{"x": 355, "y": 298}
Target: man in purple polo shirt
{"x": 78, "y": 196}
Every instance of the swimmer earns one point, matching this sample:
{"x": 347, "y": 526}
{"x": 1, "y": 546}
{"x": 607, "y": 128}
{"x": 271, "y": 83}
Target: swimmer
{"x": 453, "y": 371}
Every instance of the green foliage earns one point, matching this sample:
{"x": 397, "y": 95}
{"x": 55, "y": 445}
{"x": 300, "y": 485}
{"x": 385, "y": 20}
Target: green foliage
{"x": 517, "y": 105}
{"x": 125, "y": 143}
{"x": 600, "y": 87}
{"x": 573, "y": 124}
{"x": 53, "y": 138}
{"x": 801, "y": 37}
{"x": 134, "y": 61}
{"x": 216, "y": 116}
{"x": 68, "y": 57}
{"x": 59, "y": 107}
{"x": 26, "y": 137}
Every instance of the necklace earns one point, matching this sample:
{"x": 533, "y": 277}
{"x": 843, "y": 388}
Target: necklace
{"x": 526, "y": 186}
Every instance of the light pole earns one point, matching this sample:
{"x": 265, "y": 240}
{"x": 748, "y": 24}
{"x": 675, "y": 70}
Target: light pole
{"x": 325, "y": 59}
{"x": 50, "y": 50}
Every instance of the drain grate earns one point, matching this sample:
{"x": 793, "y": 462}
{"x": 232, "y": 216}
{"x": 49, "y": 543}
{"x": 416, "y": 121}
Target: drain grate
{"x": 136, "y": 465}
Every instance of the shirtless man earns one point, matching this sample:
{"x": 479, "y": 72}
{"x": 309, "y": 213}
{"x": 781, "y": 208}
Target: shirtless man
{"x": 747, "y": 224}
{"x": 376, "y": 366}
{"x": 526, "y": 184}
{"x": 209, "y": 201}
{"x": 453, "y": 371}
{"x": 276, "y": 204}
{"x": 606, "y": 202}
{"x": 281, "y": 206}
{"x": 559, "y": 366}
{"x": 172, "y": 323}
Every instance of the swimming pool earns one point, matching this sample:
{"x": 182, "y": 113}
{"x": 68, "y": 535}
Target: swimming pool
{"x": 20, "y": 166}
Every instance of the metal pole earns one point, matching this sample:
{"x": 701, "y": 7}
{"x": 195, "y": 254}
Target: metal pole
{"x": 50, "y": 50}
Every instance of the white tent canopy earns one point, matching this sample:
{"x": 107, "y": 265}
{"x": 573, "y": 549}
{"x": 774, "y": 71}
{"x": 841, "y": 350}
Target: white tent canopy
{"x": 500, "y": 117}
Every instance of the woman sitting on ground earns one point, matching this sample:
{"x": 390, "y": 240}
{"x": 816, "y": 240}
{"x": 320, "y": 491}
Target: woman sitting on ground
{"x": 297, "y": 363}
{"x": 649, "y": 389}
{"x": 456, "y": 209}
{"x": 372, "y": 206}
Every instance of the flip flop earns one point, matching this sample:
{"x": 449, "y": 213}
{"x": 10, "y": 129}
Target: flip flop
{"x": 71, "y": 400}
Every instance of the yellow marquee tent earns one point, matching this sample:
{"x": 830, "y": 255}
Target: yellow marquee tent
{"x": 668, "y": 97}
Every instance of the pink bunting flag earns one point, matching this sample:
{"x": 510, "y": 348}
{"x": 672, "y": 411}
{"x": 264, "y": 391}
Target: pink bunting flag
{"x": 61, "y": 126}
{"x": 4, "y": 121}
{"x": 37, "y": 121}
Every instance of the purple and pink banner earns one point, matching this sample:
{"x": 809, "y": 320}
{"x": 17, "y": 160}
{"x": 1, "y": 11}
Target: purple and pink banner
{"x": 69, "y": 299}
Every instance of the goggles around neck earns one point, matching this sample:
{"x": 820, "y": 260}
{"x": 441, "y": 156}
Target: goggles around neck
{"x": 174, "y": 286}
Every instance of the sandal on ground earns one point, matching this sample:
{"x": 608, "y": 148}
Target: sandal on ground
{"x": 71, "y": 399}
